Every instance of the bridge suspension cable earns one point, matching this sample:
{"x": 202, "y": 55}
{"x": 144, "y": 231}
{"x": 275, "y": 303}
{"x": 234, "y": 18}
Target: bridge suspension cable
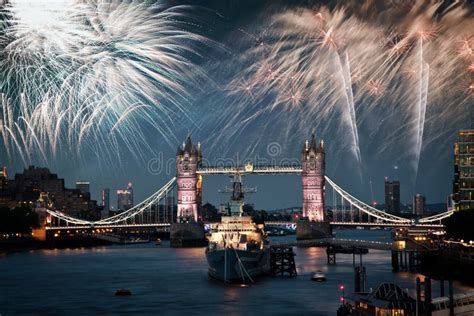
{"x": 124, "y": 216}
{"x": 437, "y": 217}
{"x": 371, "y": 211}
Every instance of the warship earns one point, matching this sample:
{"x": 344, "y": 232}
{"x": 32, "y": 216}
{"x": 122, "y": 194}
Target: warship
{"x": 238, "y": 248}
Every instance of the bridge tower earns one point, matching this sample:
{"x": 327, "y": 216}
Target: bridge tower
{"x": 312, "y": 176}
{"x": 188, "y": 159}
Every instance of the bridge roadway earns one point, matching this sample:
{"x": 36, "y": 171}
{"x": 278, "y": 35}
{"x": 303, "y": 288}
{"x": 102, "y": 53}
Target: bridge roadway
{"x": 362, "y": 224}
{"x": 270, "y": 223}
{"x": 338, "y": 242}
{"x": 78, "y": 227}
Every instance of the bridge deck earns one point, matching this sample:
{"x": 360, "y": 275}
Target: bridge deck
{"x": 339, "y": 242}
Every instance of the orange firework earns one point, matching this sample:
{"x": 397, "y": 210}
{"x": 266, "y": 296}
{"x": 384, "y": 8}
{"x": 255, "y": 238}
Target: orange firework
{"x": 329, "y": 39}
{"x": 471, "y": 67}
{"x": 397, "y": 46}
{"x": 466, "y": 48}
{"x": 375, "y": 88}
{"x": 294, "y": 96}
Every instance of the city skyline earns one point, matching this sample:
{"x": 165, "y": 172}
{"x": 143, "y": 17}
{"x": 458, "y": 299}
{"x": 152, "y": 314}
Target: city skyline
{"x": 240, "y": 157}
{"x": 377, "y": 130}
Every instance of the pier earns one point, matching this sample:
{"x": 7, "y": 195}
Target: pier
{"x": 282, "y": 260}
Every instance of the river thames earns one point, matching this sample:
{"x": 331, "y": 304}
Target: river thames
{"x": 164, "y": 280}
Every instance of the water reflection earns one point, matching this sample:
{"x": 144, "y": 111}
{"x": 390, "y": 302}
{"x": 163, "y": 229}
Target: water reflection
{"x": 83, "y": 281}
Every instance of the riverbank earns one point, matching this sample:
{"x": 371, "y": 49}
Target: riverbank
{"x": 27, "y": 244}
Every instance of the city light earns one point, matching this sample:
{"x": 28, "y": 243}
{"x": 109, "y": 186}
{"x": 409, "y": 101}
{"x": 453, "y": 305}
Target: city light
{"x": 349, "y": 113}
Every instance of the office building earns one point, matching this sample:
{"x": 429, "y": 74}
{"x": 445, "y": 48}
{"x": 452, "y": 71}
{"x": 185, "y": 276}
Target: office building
{"x": 83, "y": 186}
{"x": 105, "y": 203}
{"x": 392, "y": 196}
{"x": 463, "y": 184}
{"x": 106, "y": 199}
{"x": 125, "y": 198}
{"x": 419, "y": 202}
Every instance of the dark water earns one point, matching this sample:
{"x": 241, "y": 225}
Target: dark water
{"x": 175, "y": 281}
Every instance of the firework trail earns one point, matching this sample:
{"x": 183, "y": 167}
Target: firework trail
{"x": 383, "y": 70}
{"x": 98, "y": 76}
{"x": 347, "y": 79}
{"x": 421, "y": 105}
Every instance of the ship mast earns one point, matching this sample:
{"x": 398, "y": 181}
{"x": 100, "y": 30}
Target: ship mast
{"x": 237, "y": 199}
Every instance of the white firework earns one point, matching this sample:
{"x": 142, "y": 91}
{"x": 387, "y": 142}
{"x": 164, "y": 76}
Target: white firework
{"x": 95, "y": 74}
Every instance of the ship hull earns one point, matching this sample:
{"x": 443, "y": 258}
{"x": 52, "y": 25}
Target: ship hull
{"x": 225, "y": 265}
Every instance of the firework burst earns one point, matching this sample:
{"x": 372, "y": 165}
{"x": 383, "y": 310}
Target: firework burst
{"x": 352, "y": 66}
{"x": 92, "y": 74}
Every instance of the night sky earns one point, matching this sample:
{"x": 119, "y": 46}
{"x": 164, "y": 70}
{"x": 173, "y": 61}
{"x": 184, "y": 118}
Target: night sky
{"x": 269, "y": 125}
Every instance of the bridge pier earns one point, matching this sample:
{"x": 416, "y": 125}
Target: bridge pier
{"x": 187, "y": 235}
{"x": 407, "y": 260}
{"x": 312, "y": 230}
{"x": 282, "y": 260}
{"x": 331, "y": 252}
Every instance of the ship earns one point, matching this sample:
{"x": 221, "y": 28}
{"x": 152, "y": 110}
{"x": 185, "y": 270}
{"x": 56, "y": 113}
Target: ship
{"x": 238, "y": 248}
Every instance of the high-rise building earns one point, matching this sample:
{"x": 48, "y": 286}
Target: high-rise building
{"x": 83, "y": 186}
{"x": 125, "y": 198}
{"x": 392, "y": 196}
{"x": 419, "y": 202}
{"x": 463, "y": 184}
{"x": 106, "y": 199}
{"x": 105, "y": 203}
{"x": 3, "y": 177}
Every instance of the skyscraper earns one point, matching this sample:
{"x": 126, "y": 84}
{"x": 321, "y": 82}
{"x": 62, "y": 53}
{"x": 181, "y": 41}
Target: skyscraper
{"x": 125, "y": 198}
{"x": 463, "y": 184}
{"x": 392, "y": 196}
{"x": 83, "y": 186}
{"x": 106, "y": 199}
{"x": 419, "y": 202}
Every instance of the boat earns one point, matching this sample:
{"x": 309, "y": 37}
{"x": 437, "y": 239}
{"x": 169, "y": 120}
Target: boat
{"x": 238, "y": 248}
{"x": 136, "y": 241}
{"x": 276, "y": 232}
{"x": 318, "y": 276}
{"x": 158, "y": 242}
{"x": 123, "y": 292}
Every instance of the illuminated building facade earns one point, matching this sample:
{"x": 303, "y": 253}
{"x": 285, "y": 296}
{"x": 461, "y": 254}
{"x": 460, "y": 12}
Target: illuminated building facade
{"x": 189, "y": 184}
{"x": 3, "y": 177}
{"x": 312, "y": 176}
{"x": 31, "y": 186}
{"x": 125, "y": 198}
{"x": 106, "y": 199}
{"x": 463, "y": 184}
{"x": 419, "y": 202}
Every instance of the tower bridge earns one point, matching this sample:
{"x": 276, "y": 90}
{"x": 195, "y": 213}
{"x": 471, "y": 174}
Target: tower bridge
{"x": 347, "y": 210}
